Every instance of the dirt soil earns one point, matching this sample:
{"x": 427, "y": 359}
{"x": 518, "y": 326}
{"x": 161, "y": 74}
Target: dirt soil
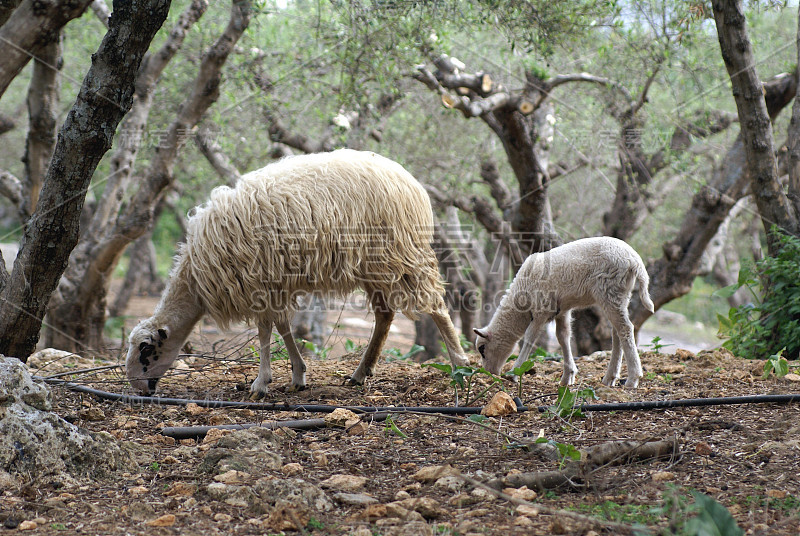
{"x": 744, "y": 456}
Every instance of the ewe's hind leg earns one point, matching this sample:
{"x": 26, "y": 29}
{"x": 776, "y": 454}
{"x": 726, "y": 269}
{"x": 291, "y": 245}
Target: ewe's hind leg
{"x": 563, "y": 332}
{"x": 450, "y": 337}
{"x": 615, "y": 363}
{"x": 383, "y": 321}
{"x": 298, "y": 365}
{"x": 618, "y": 315}
{"x": 259, "y": 388}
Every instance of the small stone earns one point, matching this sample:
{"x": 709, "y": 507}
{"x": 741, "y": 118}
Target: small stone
{"x": 40, "y": 521}
{"x": 792, "y": 377}
{"x": 344, "y": 482}
{"x": 362, "y": 531}
{"x": 500, "y": 405}
{"x": 92, "y": 414}
{"x": 233, "y": 477}
{"x": 170, "y": 460}
{"x": 434, "y": 472}
{"x": 527, "y": 510}
{"x": 223, "y": 518}
{"x": 181, "y": 489}
{"x": 288, "y": 517}
{"x": 357, "y": 428}
{"x": 427, "y": 507}
{"x": 355, "y": 499}
{"x": 557, "y": 527}
{"x": 194, "y": 409}
{"x": 402, "y": 494}
{"x": 219, "y": 491}
{"x": 167, "y": 520}
{"x": 138, "y": 490}
{"x": 663, "y": 476}
{"x": 449, "y": 483}
{"x": 28, "y": 525}
{"x": 702, "y": 448}
{"x": 292, "y": 469}
{"x": 522, "y": 521}
{"x": 339, "y": 417}
{"x": 522, "y": 493}
{"x": 215, "y": 434}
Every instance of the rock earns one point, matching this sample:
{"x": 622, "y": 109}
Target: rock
{"x": 292, "y": 490}
{"x": 223, "y": 518}
{"x": 362, "y": 531}
{"x": 776, "y": 494}
{"x": 138, "y": 490}
{"x": 500, "y": 405}
{"x": 427, "y": 507}
{"x": 232, "y": 477}
{"x": 344, "y": 482}
{"x": 292, "y": 469}
{"x": 357, "y": 428}
{"x": 181, "y": 489}
{"x": 340, "y": 417}
{"x": 167, "y": 520}
{"x": 450, "y": 483}
{"x": 288, "y": 516}
{"x": 522, "y": 493}
{"x": 354, "y": 499}
{"x": 463, "y": 499}
{"x": 37, "y": 443}
{"x": 219, "y": 491}
{"x": 434, "y": 472}
{"x": 527, "y": 510}
{"x": 663, "y": 476}
{"x": 194, "y": 409}
{"x": 522, "y": 521}
{"x": 702, "y": 448}
{"x": 249, "y": 451}
{"x": 93, "y": 414}
{"x": 48, "y": 355}
{"x": 28, "y": 525}
{"x": 792, "y": 377}
{"x": 215, "y": 434}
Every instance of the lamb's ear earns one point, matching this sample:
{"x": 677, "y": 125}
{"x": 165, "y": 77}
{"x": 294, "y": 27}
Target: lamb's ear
{"x": 483, "y": 333}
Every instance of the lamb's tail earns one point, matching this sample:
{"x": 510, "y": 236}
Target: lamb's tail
{"x": 644, "y": 281}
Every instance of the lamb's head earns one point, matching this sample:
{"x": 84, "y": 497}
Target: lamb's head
{"x": 150, "y": 354}
{"x": 493, "y": 348}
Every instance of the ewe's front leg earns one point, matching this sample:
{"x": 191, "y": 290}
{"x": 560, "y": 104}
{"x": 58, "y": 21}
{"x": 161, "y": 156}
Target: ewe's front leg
{"x": 528, "y": 343}
{"x": 563, "y": 333}
{"x": 259, "y": 388}
{"x": 450, "y": 338}
{"x": 383, "y": 321}
{"x": 298, "y": 365}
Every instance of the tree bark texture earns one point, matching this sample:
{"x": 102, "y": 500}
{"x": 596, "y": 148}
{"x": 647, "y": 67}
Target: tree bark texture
{"x": 76, "y": 319}
{"x": 43, "y": 99}
{"x": 756, "y": 128}
{"x": 30, "y": 27}
{"x": 105, "y": 96}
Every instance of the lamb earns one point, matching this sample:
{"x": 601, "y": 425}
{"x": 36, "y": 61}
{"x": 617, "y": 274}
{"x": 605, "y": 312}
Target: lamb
{"x": 549, "y": 285}
{"x": 328, "y": 222}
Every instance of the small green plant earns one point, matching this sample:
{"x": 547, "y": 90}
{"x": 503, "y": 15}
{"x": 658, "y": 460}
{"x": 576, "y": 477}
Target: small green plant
{"x": 58, "y": 526}
{"x": 461, "y": 379}
{"x": 393, "y": 354}
{"x": 279, "y": 354}
{"x": 640, "y": 514}
{"x": 568, "y": 404}
{"x": 155, "y": 466}
{"x": 655, "y": 344}
{"x": 520, "y": 371}
{"x": 704, "y": 517}
{"x": 565, "y": 450}
{"x": 776, "y": 364}
{"x": 319, "y": 351}
{"x": 350, "y": 346}
{"x": 772, "y": 321}
{"x": 391, "y": 427}
{"x": 315, "y": 524}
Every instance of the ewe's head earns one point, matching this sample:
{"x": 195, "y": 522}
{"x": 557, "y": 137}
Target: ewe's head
{"x": 150, "y": 354}
{"x": 493, "y": 349}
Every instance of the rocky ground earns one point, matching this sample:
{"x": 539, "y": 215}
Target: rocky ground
{"x": 402, "y": 475}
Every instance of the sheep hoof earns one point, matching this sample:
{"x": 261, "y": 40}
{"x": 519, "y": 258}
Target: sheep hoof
{"x": 352, "y": 380}
{"x": 296, "y": 387}
{"x": 461, "y": 361}
{"x": 258, "y": 395}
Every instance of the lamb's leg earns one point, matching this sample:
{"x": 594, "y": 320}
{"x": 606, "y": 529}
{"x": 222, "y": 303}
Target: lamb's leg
{"x": 298, "y": 365}
{"x": 563, "y": 333}
{"x": 528, "y": 342}
{"x": 615, "y": 363}
{"x": 624, "y": 328}
{"x": 383, "y": 321}
{"x": 450, "y": 338}
{"x": 259, "y": 388}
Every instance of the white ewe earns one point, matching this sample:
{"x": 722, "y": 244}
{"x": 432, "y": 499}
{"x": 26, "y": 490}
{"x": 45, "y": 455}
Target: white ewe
{"x": 328, "y": 222}
{"x": 549, "y": 285}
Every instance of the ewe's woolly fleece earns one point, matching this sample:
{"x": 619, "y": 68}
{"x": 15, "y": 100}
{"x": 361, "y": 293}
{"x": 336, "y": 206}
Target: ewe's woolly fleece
{"x": 330, "y": 222}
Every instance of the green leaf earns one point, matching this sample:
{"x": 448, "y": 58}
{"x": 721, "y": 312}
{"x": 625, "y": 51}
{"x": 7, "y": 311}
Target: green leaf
{"x": 726, "y": 292}
{"x": 477, "y": 418}
{"x": 713, "y": 519}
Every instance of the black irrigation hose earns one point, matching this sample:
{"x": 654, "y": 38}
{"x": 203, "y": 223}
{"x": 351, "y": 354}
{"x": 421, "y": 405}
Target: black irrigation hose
{"x": 318, "y": 408}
